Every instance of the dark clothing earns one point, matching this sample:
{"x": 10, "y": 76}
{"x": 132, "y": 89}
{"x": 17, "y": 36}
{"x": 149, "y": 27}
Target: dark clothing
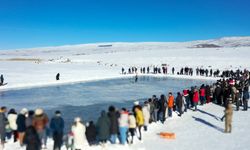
{"x": 20, "y": 121}
{"x": 57, "y": 126}
{"x": 91, "y": 133}
{"x": 103, "y": 127}
{"x": 114, "y": 127}
{"x": 3, "y": 123}
{"x": 179, "y": 104}
{"x": 31, "y": 139}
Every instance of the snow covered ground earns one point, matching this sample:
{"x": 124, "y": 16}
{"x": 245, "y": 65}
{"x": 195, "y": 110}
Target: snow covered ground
{"x": 200, "y": 130}
{"x": 39, "y": 66}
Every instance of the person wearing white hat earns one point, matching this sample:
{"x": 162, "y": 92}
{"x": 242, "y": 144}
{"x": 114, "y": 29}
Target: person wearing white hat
{"x": 40, "y": 122}
{"x": 21, "y": 127}
{"x": 78, "y": 129}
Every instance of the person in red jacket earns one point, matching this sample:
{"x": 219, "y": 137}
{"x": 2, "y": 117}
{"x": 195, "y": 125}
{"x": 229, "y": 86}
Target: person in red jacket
{"x": 202, "y": 95}
{"x": 196, "y": 98}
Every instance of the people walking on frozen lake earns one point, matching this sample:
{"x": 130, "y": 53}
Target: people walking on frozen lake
{"x": 228, "y": 121}
{"x": 57, "y": 127}
{"x": 103, "y": 128}
{"x": 173, "y": 70}
{"x": 78, "y": 129}
{"x": 40, "y": 122}
{"x": 1, "y": 80}
{"x": 136, "y": 78}
{"x": 58, "y": 76}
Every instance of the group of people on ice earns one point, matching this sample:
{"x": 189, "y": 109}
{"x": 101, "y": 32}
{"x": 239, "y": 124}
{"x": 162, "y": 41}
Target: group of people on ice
{"x": 200, "y": 71}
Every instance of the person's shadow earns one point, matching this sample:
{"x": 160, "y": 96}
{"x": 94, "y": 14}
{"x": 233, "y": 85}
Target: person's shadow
{"x": 216, "y": 117}
{"x": 208, "y": 124}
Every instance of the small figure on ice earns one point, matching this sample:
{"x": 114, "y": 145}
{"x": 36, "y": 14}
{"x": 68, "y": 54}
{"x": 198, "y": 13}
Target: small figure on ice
{"x": 136, "y": 78}
{"x": 1, "y": 80}
{"x": 58, "y": 76}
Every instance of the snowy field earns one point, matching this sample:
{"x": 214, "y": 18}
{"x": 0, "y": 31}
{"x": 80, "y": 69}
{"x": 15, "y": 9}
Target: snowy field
{"x": 200, "y": 130}
{"x": 76, "y": 63}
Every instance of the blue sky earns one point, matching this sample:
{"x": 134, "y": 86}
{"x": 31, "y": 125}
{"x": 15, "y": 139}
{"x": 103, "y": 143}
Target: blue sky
{"x": 35, "y": 23}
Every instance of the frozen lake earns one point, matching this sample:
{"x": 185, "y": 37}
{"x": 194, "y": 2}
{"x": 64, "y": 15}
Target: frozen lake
{"x": 88, "y": 99}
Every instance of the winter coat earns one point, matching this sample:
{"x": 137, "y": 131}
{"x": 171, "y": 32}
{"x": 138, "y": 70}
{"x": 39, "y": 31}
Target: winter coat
{"x": 12, "y": 121}
{"x": 21, "y": 127}
{"x": 179, "y": 101}
{"x": 202, "y": 92}
{"x": 113, "y": 116}
{"x": 171, "y": 101}
{"x": 123, "y": 120}
{"x": 103, "y": 127}
{"x": 196, "y": 97}
{"x": 146, "y": 114}
{"x": 80, "y": 140}
{"x": 185, "y": 92}
{"x": 3, "y": 123}
{"x": 132, "y": 121}
{"x": 40, "y": 122}
{"x": 91, "y": 132}
{"x": 57, "y": 124}
{"x": 31, "y": 139}
{"x": 28, "y": 121}
{"x": 245, "y": 95}
{"x": 139, "y": 117}
{"x": 218, "y": 91}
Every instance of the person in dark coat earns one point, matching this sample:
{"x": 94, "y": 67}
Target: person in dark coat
{"x": 57, "y": 127}
{"x": 1, "y": 80}
{"x": 3, "y": 123}
{"x": 103, "y": 127}
{"x": 21, "y": 126}
{"x": 179, "y": 103}
{"x": 245, "y": 98}
{"x": 91, "y": 133}
{"x": 162, "y": 107}
{"x": 114, "y": 126}
{"x": 218, "y": 94}
{"x": 31, "y": 139}
{"x": 58, "y": 76}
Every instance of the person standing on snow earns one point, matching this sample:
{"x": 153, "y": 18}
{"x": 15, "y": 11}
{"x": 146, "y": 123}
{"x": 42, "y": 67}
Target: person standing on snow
{"x": 245, "y": 98}
{"x": 170, "y": 104}
{"x": 132, "y": 127}
{"x": 91, "y": 133}
{"x": 139, "y": 120}
{"x": 113, "y": 116}
{"x": 78, "y": 129}
{"x": 179, "y": 103}
{"x": 123, "y": 125}
{"x": 3, "y": 123}
{"x": 12, "y": 117}
{"x": 58, "y": 76}
{"x": 103, "y": 127}
{"x": 21, "y": 127}
{"x": 146, "y": 115}
{"x": 31, "y": 139}
{"x": 228, "y": 121}
{"x": 195, "y": 99}
{"x": 57, "y": 127}
{"x": 40, "y": 121}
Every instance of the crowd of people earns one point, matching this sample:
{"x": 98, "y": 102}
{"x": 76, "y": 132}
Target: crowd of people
{"x": 30, "y": 127}
{"x": 200, "y": 71}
